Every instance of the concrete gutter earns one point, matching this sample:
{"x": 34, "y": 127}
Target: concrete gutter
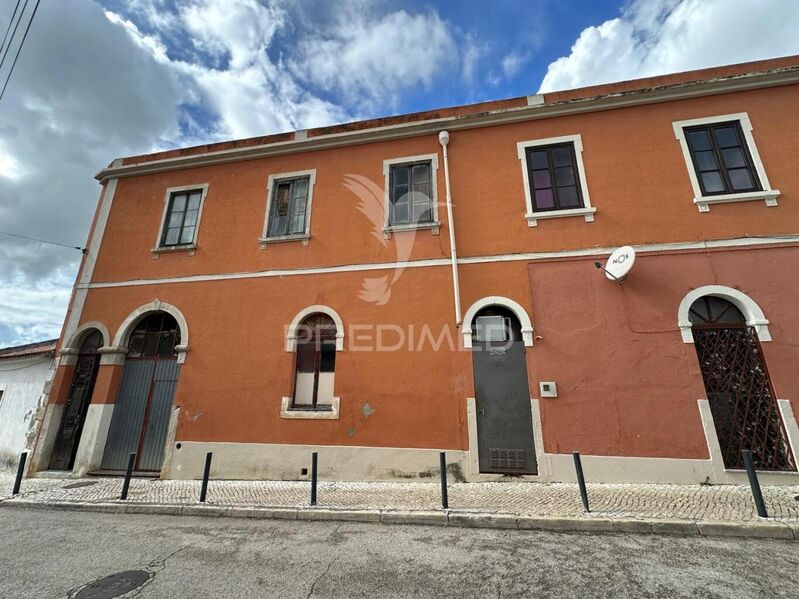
{"x": 763, "y": 528}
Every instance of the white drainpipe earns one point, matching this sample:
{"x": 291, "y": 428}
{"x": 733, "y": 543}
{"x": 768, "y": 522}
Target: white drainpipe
{"x": 443, "y": 138}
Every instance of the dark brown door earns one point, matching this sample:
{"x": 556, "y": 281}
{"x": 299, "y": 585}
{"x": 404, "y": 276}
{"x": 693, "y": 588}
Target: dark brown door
{"x": 80, "y": 395}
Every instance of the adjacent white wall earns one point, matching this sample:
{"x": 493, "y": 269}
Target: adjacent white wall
{"x": 23, "y": 382}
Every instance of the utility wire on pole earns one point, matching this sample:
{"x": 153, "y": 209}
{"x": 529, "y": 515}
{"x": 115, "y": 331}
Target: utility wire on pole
{"x": 64, "y": 245}
{"x": 19, "y": 49}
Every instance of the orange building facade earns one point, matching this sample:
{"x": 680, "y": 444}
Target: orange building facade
{"x": 381, "y": 291}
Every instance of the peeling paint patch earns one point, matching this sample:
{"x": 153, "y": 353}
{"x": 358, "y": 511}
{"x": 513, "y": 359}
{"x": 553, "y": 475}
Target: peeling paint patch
{"x": 351, "y": 432}
{"x": 367, "y": 410}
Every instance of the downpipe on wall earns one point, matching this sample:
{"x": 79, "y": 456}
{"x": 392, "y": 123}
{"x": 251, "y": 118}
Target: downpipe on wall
{"x": 443, "y": 139}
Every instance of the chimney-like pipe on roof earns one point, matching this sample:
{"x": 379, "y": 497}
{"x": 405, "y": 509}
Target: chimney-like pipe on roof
{"x": 443, "y": 138}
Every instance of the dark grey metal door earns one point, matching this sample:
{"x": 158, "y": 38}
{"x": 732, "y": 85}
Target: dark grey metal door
{"x": 141, "y": 414}
{"x": 504, "y": 416}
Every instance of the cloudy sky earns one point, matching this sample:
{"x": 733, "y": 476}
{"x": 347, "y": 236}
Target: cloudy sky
{"x": 99, "y": 79}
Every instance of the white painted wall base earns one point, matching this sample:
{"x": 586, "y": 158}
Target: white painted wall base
{"x": 48, "y": 431}
{"x": 92, "y": 440}
{"x": 257, "y": 461}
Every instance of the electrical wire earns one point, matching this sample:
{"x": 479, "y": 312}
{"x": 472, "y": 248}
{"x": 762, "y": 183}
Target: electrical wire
{"x": 13, "y": 33}
{"x": 65, "y": 245}
{"x": 19, "y": 49}
{"x": 5, "y": 37}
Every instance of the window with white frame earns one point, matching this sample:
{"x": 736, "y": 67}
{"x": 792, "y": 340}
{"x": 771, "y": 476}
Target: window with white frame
{"x": 181, "y": 219}
{"x": 288, "y": 213}
{"x": 411, "y": 192}
{"x": 722, "y": 160}
{"x": 554, "y": 179}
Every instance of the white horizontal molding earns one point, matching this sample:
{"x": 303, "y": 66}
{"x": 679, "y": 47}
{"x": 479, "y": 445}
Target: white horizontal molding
{"x": 295, "y": 413}
{"x": 534, "y": 217}
{"x": 666, "y": 93}
{"x": 770, "y": 197}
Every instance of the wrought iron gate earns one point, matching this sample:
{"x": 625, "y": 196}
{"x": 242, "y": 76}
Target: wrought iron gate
{"x": 742, "y": 400}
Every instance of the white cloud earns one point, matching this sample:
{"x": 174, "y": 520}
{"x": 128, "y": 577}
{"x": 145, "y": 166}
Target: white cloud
{"x": 513, "y": 62}
{"x": 370, "y": 60}
{"x": 654, "y": 37}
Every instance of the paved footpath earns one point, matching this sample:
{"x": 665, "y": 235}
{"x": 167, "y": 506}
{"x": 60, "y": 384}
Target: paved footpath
{"x": 685, "y": 509}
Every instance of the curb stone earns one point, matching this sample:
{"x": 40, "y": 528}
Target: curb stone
{"x": 774, "y": 529}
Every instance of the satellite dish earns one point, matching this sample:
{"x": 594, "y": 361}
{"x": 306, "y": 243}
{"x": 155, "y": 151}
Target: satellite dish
{"x": 619, "y": 263}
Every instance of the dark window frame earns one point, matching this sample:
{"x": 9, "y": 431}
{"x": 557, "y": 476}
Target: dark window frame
{"x": 183, "y": 226}
{"x": 323, "y": 332}
{"x": 549, "y": 148}
{"x": 722, "y": 169}
{"x": 273, "y": 207}
{"x": 392, "y": 198}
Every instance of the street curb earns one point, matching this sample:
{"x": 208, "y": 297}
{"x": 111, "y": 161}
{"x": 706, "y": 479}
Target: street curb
{"x": 770, "y": 529}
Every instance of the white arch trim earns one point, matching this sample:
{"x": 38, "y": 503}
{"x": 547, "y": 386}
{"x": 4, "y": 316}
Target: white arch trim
{"x": 73, "y": 345}
{"x": 748, "y": 307}
{"x": 125, "y": 329}
{"x": 291, "y": 333}
{"x": 497, "y": 300}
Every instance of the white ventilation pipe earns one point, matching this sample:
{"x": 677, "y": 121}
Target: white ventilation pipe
{"x": 443, "y": 138}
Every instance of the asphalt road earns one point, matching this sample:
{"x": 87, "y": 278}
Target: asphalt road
{"x": 50, "y": 553}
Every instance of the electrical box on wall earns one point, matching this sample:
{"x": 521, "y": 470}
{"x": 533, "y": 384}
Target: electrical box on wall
{"x": 548, "y": 389}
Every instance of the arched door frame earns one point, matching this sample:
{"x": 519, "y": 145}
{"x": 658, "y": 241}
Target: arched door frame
{"x": 497, "y": 300}
{"x": 126, "y": 328}
{"x": 69, "y": 351}
{"x": 748, "y": 307}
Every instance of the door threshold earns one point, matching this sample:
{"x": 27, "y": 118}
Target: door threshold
{"x": 135, "y": 473}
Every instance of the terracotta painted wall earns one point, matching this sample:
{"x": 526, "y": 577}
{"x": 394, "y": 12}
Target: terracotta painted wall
{"x": 627, "y": 384}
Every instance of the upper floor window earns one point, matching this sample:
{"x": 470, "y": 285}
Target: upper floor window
{"x": 289, "y": 206}
{"x": 723, "y": 162}
{"x": 182, "y": 218}
{"x": 721, "y": 158}
{"x": 554, "y": 178}
{"x": 411, "y": 193}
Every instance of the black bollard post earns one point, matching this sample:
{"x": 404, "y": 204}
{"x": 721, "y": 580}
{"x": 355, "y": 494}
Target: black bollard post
{"x": 314, "y": 460}
{"x": 206, "y": 473}
{"x": 20, "y": 471}
{"x": 128, "y": 473}
{"x": 442, "y": 457}
{"x": 578, "y": 466}
{"x": 753, "y": 482}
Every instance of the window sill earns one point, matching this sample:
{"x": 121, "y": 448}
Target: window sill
{"x": 293, "y": 413}
{"x": 534, "y": 217}
{"x": 435, "y": 227}
{"x": 169, "y": 249}
{"x": 769, "y": 196}
{"x": 264, "y": 241}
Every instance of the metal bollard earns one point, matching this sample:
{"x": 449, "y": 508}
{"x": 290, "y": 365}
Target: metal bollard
{"x": 578, "y": 466}
{"x": 206, "y": 473}
{"x": 314, "y": 460}
{"x": 128, "y": 473}
{"x": 20, "y": 471}
{"x": 754, "y": 483}
{"x": 443, "y": 467}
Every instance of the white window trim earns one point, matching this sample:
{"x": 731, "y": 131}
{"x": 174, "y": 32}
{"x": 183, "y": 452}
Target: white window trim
{"x": 264, "y": 240}
{"x": 748, "y": 307}
{"x": 294, "y": 413}
{"x": 497, "y": 300}
{"x": 703, "y": 203}
{"x": 291, "y": 332}
{"x": 587, "y": 211}
{"x": 388, "y": 229}
{"x": 119, "y": 349}
{"x": 188, "y": 247}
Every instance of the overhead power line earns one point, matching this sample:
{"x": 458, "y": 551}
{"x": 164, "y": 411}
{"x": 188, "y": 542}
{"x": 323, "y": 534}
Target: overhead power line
{"x": 19, "y": 49}
{"x": 13, "y": 33}
{"x": 11, "y": 22}
{"x": 65, "y": 245}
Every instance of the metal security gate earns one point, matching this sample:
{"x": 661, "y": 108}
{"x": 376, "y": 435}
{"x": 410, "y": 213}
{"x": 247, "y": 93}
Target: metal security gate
{"x": 142, "y": 411}
{"x": 502, "y": 395}
{"x": 742, "y": 400}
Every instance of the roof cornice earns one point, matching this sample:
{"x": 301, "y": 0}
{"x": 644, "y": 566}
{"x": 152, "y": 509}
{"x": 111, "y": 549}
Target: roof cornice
{"x": 681, "y": 91}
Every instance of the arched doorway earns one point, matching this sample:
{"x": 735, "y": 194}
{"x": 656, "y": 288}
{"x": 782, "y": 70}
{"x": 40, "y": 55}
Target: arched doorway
{"x": 80, "y": 395}
{"x": 502, "y": 394}
{"x": 144, "y": 403}
{"x": 738, "y": 387}
{"x": 316, "y": 363}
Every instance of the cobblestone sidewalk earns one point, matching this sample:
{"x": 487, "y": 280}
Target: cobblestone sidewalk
{"x": 671, "y": 502}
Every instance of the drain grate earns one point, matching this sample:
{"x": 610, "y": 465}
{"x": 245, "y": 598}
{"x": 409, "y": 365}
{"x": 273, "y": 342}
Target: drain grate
{"x": 85, "y": 483}
{"x": 114, "y": 585}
